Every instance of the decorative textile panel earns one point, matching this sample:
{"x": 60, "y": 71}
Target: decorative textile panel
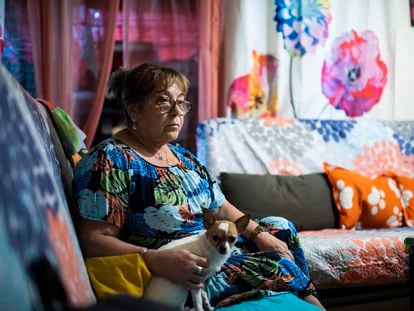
{"x": 286, "y": 146}
{"x": 282, "y": 146}
{"x": 327, "y": 59}
{"x": 36, "y": 230}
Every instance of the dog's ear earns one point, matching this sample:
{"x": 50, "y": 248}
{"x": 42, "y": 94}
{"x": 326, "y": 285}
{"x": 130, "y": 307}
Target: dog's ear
{"x": 242, "y": 223}
{"x": 208, "y": 218}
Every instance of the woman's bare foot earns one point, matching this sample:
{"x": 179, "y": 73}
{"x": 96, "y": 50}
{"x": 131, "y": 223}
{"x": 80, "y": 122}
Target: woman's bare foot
{"x": 313, "y": 300}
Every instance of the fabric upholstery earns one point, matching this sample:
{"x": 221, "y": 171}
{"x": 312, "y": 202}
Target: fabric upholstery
{"x": 285, "y": 146}
{"x": 64, "y": 163}
{"x": 306, "y": 200}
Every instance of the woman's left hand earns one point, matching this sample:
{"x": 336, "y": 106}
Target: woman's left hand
{"x": 266, "y": 242}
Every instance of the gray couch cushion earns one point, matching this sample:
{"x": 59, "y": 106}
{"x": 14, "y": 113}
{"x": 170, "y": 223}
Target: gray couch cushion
{"x": 306, "y": 200}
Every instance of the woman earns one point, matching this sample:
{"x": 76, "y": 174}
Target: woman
{"x": 136, "y": 191}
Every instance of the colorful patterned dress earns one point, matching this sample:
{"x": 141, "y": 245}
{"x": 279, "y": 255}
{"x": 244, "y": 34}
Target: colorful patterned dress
{"x": 153, "y": 205}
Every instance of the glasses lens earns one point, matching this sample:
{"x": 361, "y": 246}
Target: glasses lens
{"x": 166, "y": 105}
{"x": 184, "y": 105}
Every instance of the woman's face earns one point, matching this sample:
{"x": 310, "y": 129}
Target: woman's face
{"x": 158, "y": 124}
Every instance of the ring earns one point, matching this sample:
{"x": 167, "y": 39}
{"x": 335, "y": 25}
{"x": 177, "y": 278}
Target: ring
{"x": 199, "y": 271}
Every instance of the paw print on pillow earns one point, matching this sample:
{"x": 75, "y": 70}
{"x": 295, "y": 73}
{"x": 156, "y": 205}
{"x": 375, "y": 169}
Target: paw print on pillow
{"x": 395, "y": 220}
{"x": 365, "y": 202}
{"x": 376, "y": 199}
{"x": 406, "y": 186}
{"x": 394, "y": 187}
{"x": 346, "y": 194}
{"x": 406, "y": 196}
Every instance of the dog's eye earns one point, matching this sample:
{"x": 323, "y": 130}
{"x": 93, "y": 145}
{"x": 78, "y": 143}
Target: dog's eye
{"x": 216, "y": 238}
{"x": 231, "y": 239}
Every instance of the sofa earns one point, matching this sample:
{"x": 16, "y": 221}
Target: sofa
{"x": 290, "y": 168}
{"x": 41, "y": 262}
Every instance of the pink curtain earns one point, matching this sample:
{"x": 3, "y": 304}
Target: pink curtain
{"x": 50, "y": 25}
{"x": 209, "y": 73}
{"x": 159, "y": 31}
{"x": 1, "y": 27}
{"x": 166, "y": 32}
{"x": 73, "y": 44}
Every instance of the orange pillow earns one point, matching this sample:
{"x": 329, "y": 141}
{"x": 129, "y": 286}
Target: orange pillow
{"x": 406, "y": 186}
{"x": 363, "y": 202}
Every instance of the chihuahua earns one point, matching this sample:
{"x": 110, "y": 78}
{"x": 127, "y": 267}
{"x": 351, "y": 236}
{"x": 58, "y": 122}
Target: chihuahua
{"x": 215, "y": 244}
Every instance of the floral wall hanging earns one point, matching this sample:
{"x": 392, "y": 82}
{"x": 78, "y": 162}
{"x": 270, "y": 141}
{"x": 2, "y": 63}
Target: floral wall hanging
{"x": 321, "y": 59}
{"x": 303, "y": 24}
{"x": 353, "y": 74}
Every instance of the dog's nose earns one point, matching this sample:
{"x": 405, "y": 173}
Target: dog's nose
{"x": 222, "y": 250}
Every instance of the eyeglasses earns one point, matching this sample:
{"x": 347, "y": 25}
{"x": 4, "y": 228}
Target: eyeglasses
{"x": 166, "y": 104}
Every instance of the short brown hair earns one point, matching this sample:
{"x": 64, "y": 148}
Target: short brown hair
{"x": 133, "y": 86}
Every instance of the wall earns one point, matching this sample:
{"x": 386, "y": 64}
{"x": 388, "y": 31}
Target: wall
{"x": 404, "y": 82}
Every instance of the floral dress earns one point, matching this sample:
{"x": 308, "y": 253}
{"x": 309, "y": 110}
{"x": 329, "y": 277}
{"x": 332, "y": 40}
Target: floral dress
{"x": 153, "y": 205}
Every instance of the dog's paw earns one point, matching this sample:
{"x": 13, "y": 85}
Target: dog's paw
{"x": 206, "y": 302}
{"x": 207, "y": 308}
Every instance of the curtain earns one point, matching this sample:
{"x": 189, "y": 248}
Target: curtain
{"x": 1, "y": 27}
{"x": 17, "y": 52}
{"x": 73, "y": 62}
{"x": 210, "y": 13}
{"x": 165, "y": 32}
{"x": 159, "y": 31}
{"x": 327, "y": 59}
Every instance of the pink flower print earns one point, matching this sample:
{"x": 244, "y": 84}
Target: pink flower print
{"x": 383, "y": 157}
{"x": 284, "y": 167}
{"x": 354, "y": 76}
{"x": 275, "y": 121}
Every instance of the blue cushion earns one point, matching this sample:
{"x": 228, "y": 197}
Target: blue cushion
{"x": 280, "y": 302}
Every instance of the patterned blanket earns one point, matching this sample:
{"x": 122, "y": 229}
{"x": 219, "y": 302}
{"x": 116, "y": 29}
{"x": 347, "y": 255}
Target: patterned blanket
{"x": 345, "y": 257}
{"x": 295, "y": 147}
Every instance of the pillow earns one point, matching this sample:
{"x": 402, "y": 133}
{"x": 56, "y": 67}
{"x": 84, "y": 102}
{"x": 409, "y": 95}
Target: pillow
{"x": 121, "y": 274}
{"x": 363, "y": 202}
{"x": 406, "y": 186}
{"x": 306, "y": 200}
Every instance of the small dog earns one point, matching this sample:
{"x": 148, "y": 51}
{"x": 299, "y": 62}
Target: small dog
{"x": 215, "y": 244}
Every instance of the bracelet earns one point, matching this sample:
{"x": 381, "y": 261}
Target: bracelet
{"x": 259, "y": 229}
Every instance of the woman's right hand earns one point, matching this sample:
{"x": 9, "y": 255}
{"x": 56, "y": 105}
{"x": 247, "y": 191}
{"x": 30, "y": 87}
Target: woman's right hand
{"x": 177, "y": 265}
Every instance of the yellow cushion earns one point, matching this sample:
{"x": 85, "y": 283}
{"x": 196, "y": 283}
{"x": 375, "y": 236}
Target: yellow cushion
{"x": 118, "y": 274}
